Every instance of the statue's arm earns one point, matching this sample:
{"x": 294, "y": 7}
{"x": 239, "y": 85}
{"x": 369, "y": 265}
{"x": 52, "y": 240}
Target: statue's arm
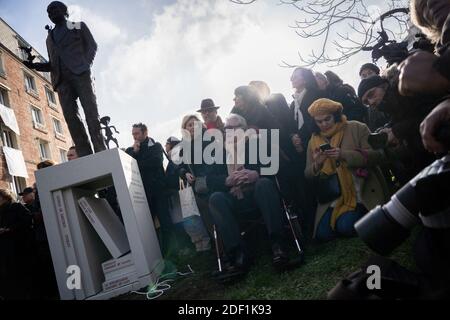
{"x": 42, "y": 67}
{"x": 89, "y": 43}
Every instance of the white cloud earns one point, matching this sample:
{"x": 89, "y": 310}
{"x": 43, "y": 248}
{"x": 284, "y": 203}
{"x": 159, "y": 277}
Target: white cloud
{"x": 196, "y": 49}
{"x": 106, "y": 32}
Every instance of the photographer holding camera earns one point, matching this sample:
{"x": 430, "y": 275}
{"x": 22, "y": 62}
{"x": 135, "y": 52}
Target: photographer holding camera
{"x": 423, "y": 72}
{"x": 424, "y": 200}
{"x": 402, "y": 142}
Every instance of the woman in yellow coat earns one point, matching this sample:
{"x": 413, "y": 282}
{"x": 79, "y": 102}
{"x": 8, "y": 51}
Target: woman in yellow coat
{"x": 350, "y": 156}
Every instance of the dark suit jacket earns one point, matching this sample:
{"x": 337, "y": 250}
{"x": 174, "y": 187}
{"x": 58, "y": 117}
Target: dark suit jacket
{"x": 76, "y": 50}
{"x": 306, "y": 131}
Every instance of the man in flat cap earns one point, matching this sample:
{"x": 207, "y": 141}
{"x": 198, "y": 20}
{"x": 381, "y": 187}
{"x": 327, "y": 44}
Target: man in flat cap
{"x": 71, "y": 50}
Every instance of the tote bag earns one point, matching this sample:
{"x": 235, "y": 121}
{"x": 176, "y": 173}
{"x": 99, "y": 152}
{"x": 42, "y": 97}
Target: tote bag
{"x": 188, "y": 204}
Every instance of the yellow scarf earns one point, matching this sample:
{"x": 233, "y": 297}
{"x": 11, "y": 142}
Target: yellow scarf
{"x": 347, "y": 201}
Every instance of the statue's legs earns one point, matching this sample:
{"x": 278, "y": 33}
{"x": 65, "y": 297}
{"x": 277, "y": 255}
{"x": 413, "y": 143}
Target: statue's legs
{"x": 67, "y": 94}
{"x": 89, "y": 103}
{"x": 115, "y": 141}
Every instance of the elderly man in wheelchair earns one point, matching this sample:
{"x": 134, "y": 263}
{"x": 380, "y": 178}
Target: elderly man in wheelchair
{"x": 249, "y": 192}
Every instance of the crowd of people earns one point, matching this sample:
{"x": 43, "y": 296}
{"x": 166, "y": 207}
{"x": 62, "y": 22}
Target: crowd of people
{"x": 341, "y": 153}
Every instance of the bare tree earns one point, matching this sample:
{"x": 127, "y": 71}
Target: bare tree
{"x": 344, "y": 27}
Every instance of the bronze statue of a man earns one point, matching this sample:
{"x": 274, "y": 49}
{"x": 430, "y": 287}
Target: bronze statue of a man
{"x": 71, "y": 50}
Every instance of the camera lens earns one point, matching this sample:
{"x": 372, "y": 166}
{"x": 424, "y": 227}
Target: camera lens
{"x": 380, "y": 231}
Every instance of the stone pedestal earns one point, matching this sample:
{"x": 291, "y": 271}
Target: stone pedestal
{"x": 72, "y": 239}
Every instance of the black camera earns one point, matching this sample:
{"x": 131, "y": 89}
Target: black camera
{"x": 424, "y": 199}
{"x": 393, "y": 51}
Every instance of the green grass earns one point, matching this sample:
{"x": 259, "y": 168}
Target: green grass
{"x": 324, "y": 266}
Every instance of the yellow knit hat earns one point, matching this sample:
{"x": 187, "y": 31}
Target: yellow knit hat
{"x": 324, "y": 106}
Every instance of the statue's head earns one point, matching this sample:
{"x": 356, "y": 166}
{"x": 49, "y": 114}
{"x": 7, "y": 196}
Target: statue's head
{"x": 105, "y": 120}
{"x": 57, "y": 12}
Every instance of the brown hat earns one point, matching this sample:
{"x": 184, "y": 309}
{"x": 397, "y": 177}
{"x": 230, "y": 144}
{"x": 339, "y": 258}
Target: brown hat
{"x": 207, "y": 104}
{"x": 324, "y": 106}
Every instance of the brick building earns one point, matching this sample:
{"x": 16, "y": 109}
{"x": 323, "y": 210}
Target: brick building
{"x": 27, "y": 95}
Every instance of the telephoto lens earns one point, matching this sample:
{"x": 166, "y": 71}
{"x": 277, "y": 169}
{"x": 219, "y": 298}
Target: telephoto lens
{"x": 424, "y": 200}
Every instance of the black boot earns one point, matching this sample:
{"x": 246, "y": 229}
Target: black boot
{"x": 280, "y": 258}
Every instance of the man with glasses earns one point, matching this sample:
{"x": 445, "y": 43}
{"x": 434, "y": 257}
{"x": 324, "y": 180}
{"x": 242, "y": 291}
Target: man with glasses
{"x": 209, "y": 114}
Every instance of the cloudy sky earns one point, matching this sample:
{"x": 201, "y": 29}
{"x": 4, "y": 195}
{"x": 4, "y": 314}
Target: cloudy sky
{"x": 158, "y": 59}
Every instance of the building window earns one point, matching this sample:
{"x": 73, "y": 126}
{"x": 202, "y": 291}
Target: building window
{"x": 17, "y": 185}
{"x": 22, "y": 53}
{"x": 38, "y": 118}
{"x": 37, "y": 115}
{"x": 2, "y": 66}
{"x": 44, "y": 150}
{"x": 8, "y": 138}
{"x": 50, "y": 97}
{"x": 30, "y": 84}
{"x": 63, "y": 155}
{"x": 22, "y": 44}
{"x": 58, "y": 127}
{"x": 4, "y": 97}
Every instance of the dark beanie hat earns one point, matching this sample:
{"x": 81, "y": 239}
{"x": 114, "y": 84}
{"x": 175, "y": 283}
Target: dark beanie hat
{"x": 369, "y": 66}
{"x": 369, "y": 83}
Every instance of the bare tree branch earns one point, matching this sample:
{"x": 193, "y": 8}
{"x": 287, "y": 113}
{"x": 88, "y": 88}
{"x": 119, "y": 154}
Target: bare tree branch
{"x": 344, "y": 27}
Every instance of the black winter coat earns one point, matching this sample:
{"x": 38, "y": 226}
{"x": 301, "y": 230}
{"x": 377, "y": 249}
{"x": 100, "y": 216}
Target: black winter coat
{"x": 214, "y": 173}
{"x": 306, "y": 131}
{"x": 15, "y": 245}
{"x": 353, "y": 108}
{"x": 150, "y": 161}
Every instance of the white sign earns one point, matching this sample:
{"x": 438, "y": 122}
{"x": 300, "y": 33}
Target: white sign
{"x": 15, "y": 162}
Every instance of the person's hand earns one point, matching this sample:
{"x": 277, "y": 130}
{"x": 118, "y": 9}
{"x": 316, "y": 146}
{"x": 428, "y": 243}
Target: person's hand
{"x": 230, "y": 181}
{"x": 136, "y": 146}
{"x": 392, "y": 139}
{"x": 334, "y": 153}
{"x": 429, "y": 127}
{"x": 319, "y": 158}
{"x": 418, "y": 76}
{"x": 241, "y": 177}
{"x": 246, "y": 176}
{"x": 190, "y": 178}
{"x": 297, "y": 142}
{"x": 29, "y": 65}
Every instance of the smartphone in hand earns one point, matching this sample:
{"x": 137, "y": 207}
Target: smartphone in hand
{"x": 325, "y": 147}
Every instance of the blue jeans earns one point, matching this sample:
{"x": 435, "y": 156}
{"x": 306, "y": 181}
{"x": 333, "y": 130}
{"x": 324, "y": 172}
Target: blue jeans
{"x": 344, "y": 224}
